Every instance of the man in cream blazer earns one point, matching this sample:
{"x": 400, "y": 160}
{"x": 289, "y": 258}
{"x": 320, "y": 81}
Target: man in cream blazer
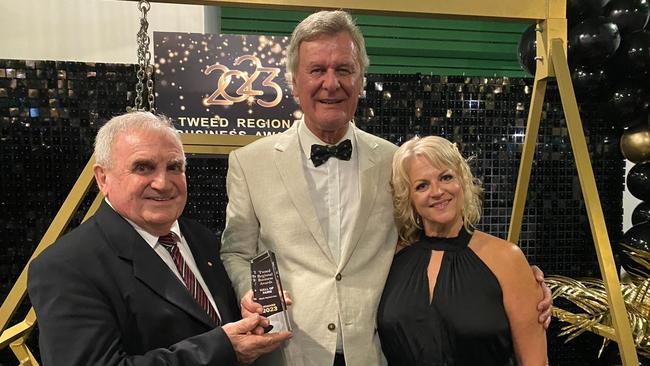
{"x": 329, "y": 221}
{"x": 318, "y": 195}
{"x": 270, "y": 207}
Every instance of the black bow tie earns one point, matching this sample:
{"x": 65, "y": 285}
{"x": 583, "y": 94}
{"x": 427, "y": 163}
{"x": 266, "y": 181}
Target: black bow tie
{"x": 320, "y": 153}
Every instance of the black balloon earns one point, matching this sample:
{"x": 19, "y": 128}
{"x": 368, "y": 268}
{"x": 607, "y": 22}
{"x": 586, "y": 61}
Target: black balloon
{"x": 633, "y": 56}
{"x": 641, "y": 213}
{"x": 527, "y": 50}
{"x": 628, "y": 101}
{"x": 629, "y": 15}
{"x": 638, "y": 181}
{"x": 579, "y": 10}
{"x": 592, "y": 41}
{"x": 637, "y": 237}
{"x": 590, "y": 82}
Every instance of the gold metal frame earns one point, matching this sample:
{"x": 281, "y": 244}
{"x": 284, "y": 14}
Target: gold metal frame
{"x": 551, "y": 62}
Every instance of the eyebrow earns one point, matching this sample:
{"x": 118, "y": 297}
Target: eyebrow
{"x": 351, "y": 64}
{"x": 176, "y": 162}
{"x": 142, "y": 162}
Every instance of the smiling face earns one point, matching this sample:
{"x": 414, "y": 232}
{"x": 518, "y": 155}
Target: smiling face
{"x": 327, "y": 84}
{"x": 146, "y": 180}
{"x": 437, "y": 196}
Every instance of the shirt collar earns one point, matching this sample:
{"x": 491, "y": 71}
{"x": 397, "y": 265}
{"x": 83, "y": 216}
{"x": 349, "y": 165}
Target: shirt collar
{"x": 151, "y": 239}
{"x": 307, "y": 138}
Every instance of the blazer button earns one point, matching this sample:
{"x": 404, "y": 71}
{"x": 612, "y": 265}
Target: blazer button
{"x": 338, "y": 276}
{"x": 331, "y": 326}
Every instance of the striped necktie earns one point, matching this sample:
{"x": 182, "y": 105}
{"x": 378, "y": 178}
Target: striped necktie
{"x": 169, "y": 241}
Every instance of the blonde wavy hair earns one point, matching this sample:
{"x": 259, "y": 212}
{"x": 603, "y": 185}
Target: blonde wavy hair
{"x": 439, "y": 152}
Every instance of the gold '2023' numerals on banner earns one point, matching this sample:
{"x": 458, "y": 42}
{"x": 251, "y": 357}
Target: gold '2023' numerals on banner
{"x": 245, "y": 91}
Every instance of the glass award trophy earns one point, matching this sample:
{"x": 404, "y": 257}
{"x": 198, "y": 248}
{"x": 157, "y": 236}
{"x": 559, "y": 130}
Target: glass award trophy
{"x": 267, "y": 291}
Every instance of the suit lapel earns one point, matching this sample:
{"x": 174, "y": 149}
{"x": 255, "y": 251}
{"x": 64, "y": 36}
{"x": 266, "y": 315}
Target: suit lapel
{"x": 288, "y": 161}
{"x": 368, "y": 177}
{"x": 147, "y": 265}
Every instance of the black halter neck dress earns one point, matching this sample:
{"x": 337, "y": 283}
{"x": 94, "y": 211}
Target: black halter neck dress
{"x": 465, "y": 323}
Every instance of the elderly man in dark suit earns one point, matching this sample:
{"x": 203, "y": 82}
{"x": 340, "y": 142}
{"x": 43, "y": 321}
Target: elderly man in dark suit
{"x": 136, "y": 284}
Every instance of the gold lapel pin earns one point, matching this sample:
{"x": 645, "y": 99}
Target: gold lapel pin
{"x": 209, "y": 263}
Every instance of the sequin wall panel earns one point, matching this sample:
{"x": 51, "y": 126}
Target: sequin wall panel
{"x": 49, "y": 115}
{"x": 50, "y": 111}
{"x": 487, "y": 118}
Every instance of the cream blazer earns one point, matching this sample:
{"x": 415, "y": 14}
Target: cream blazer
{"x": 270, "y": 207}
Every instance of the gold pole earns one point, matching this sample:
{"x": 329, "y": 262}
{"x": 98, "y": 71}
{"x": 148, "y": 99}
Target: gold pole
{"x": 527, "y": 155}
{"x": 25, "y": 357}
{"x": 592, "y": 202}
{"x": 18, "y": 345}
{"x": 15, "y": 332}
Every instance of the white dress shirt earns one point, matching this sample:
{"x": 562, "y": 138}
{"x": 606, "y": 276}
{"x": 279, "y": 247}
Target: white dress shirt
{"x": 334, "y": 190}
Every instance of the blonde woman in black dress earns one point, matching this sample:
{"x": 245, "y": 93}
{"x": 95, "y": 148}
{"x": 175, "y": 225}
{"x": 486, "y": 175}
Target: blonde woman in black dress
{"x": 454, "y": 295}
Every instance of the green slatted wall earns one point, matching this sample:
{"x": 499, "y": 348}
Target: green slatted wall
{"x": 408, "y": 45}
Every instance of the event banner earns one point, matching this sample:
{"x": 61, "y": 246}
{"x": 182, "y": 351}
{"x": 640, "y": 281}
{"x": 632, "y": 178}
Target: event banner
{"x": 223, "y": 84}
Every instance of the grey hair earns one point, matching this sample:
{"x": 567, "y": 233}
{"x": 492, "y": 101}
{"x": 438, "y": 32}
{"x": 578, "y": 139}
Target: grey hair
{"x": 129, "y": 122}
{"x": 330, "y": 23}
{"x": 439, "y": 152}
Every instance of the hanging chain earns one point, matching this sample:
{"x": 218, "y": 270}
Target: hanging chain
{"x": 145, "y": 68}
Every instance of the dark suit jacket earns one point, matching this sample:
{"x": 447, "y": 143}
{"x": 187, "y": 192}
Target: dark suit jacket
{"x": 104, "y": 297}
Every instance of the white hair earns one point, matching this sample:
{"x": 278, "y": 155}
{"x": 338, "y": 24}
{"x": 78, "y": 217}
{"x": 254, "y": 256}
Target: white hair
{"x": 327, "y": 23}
{"x": 128, "y": 122}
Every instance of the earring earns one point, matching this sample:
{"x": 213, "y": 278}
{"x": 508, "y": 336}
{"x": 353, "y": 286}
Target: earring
{"x": 418, "y": 220}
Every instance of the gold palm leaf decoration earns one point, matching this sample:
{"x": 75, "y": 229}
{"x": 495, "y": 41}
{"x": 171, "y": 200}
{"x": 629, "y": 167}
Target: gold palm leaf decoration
{"x": 590, "y": 296}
